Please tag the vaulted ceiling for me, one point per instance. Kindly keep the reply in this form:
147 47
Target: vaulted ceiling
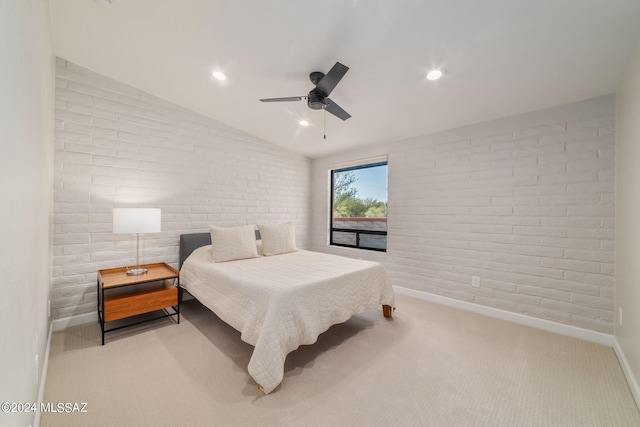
501 57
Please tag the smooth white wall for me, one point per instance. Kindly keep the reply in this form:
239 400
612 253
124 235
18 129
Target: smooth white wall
117 146
524 202
26 163
627 296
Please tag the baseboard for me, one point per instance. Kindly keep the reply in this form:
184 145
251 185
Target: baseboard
547 325
628 373
43 377
67 322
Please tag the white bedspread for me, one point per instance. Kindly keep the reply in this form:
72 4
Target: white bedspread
281 302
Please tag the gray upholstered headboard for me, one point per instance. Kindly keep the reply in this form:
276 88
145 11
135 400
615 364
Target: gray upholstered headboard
191 242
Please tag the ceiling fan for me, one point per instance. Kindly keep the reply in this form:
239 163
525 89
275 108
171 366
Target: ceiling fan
318 98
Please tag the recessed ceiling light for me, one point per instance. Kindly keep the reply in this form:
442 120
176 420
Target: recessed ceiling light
105 3
303 123
435 74
219 75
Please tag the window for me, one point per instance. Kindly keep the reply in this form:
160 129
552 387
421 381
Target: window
359 206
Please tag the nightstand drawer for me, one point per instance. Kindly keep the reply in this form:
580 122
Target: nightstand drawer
138 299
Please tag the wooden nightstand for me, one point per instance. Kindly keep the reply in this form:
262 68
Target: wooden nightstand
121 295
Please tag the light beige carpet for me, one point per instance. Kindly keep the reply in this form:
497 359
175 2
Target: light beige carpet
429 366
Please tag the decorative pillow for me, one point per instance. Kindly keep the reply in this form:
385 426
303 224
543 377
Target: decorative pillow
231 243
278 238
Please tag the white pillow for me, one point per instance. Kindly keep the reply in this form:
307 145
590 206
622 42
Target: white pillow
232 243
278 238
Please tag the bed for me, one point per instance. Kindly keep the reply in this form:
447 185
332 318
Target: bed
280 302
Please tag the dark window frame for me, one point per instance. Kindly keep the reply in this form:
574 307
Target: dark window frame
333 229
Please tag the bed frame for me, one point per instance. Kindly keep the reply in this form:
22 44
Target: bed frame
192 241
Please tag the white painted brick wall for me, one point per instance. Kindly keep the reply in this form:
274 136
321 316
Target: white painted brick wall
526 203
116 146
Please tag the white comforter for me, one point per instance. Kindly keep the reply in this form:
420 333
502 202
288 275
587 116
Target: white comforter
281 302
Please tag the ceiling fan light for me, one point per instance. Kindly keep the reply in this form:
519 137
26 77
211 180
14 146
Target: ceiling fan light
435 74
316 105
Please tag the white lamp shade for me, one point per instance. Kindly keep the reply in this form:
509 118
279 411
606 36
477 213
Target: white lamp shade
136 220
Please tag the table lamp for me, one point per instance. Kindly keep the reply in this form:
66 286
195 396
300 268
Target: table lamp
136 221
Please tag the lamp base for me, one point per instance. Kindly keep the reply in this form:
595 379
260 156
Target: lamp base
136 271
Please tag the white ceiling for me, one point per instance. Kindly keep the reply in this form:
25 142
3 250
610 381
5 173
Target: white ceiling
502 57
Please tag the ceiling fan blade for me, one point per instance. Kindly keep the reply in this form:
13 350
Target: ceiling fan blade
336 110
332 78
290 98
